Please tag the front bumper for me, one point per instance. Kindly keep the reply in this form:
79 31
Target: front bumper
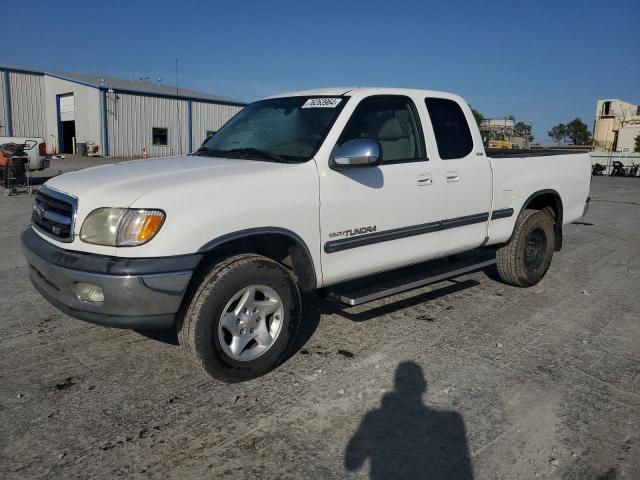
144 293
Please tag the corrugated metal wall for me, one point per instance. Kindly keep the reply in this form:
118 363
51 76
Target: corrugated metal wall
3 127
130 119
27 104
209 116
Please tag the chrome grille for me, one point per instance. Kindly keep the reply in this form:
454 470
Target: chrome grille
54 214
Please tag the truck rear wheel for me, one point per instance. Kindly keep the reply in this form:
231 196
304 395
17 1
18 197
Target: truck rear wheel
526 258
242 318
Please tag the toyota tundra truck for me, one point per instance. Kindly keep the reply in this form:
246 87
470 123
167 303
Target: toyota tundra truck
312 190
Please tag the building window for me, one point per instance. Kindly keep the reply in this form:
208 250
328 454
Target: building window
210 133
160 136
606 106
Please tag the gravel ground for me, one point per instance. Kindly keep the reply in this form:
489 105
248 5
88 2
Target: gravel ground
463 379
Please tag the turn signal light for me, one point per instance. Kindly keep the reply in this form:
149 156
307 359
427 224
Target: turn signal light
150 226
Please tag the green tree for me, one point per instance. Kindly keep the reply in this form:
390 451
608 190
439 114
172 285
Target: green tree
477 115
558 133
637 146
578 132
523 130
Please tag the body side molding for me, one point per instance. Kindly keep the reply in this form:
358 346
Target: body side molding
502 213
398 233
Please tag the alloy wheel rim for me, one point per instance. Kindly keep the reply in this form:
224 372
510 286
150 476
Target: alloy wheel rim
250 323
535 250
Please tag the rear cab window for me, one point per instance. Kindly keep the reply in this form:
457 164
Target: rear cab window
450 127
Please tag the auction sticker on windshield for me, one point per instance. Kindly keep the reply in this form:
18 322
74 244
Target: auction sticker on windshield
322 102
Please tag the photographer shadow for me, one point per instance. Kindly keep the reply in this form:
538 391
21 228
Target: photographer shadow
406 439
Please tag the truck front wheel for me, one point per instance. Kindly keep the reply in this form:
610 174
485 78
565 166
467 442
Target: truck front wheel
242 318
526 258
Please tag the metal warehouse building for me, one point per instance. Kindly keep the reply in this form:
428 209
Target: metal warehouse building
121 117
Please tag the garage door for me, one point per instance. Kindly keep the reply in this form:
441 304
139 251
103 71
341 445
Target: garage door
67 108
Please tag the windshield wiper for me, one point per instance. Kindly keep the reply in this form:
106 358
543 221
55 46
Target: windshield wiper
208 152
264 154
249 153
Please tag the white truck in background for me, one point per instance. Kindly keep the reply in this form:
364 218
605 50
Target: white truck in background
35 148
314 190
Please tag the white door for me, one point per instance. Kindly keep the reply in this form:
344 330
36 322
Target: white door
67 108
378 218
465 176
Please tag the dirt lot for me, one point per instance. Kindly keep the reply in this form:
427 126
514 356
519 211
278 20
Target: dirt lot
463 379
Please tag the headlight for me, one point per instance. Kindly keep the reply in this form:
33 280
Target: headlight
121 227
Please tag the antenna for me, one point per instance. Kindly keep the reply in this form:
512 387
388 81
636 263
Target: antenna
178 110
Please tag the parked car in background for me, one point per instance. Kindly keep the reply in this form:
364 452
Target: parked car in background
35 148
299 192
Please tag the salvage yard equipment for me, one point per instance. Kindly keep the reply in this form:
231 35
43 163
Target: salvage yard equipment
34 147
93 150
14 168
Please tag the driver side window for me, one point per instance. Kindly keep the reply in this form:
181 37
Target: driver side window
393 122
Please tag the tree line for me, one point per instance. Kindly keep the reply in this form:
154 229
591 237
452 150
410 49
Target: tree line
576 131
520 129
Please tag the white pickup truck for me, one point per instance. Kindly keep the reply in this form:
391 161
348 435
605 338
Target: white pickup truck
303 191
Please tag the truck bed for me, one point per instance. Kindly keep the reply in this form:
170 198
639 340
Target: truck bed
565 174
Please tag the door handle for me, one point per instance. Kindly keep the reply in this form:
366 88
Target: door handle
425 179
452 177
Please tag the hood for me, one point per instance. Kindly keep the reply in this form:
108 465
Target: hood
120 184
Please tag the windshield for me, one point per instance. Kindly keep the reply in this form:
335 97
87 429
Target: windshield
289 129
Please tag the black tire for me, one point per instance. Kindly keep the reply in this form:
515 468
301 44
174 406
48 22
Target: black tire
526 258
198 325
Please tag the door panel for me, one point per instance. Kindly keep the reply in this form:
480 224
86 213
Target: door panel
467 193
466 177
383 212
378 218
67 107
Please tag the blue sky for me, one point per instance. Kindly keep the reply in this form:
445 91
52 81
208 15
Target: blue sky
545 61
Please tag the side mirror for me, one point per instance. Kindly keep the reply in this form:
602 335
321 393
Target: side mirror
361 152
